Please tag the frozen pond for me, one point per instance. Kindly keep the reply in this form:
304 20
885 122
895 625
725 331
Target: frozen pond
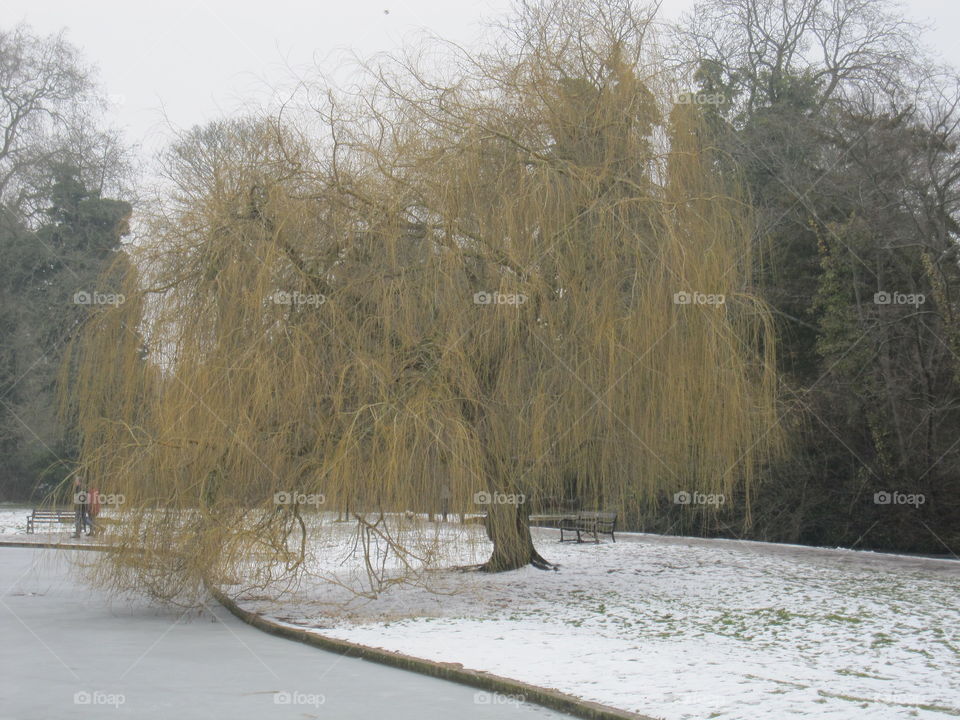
67 652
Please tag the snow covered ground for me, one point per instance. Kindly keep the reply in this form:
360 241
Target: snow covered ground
674 628
13 519
681 628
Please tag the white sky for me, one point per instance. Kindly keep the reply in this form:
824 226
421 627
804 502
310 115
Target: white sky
187 62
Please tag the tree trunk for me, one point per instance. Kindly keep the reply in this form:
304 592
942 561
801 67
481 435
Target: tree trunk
508 527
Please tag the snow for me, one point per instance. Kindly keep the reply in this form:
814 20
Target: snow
682 628
13 519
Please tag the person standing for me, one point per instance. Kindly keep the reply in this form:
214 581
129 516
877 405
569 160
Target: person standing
79 508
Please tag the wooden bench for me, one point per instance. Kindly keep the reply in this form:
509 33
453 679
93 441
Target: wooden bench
590 524
49 516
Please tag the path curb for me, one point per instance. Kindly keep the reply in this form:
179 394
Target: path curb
52 545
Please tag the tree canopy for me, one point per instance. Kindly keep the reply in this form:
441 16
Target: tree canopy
530 273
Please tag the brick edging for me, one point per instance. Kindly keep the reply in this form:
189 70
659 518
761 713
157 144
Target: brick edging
454 672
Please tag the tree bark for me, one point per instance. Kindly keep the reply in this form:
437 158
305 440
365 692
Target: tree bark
508 527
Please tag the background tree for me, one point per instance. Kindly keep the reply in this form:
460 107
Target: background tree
57 234
845 131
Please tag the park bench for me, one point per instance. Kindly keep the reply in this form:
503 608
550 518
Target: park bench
589 523
48 516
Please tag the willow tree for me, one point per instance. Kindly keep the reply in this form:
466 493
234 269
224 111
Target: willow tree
471 282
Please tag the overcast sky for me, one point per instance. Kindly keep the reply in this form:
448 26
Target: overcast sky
187 62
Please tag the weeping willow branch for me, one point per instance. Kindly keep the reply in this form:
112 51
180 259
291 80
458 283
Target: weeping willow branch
417 318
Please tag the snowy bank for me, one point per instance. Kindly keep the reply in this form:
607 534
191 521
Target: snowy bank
682 628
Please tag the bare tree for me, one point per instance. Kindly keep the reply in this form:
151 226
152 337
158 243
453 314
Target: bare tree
761 47
50 116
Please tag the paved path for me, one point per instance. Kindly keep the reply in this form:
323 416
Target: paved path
67 652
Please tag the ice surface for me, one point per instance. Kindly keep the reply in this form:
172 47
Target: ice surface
67 652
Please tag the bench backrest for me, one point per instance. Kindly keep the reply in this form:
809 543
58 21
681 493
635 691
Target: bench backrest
597 515
606 522
602 521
